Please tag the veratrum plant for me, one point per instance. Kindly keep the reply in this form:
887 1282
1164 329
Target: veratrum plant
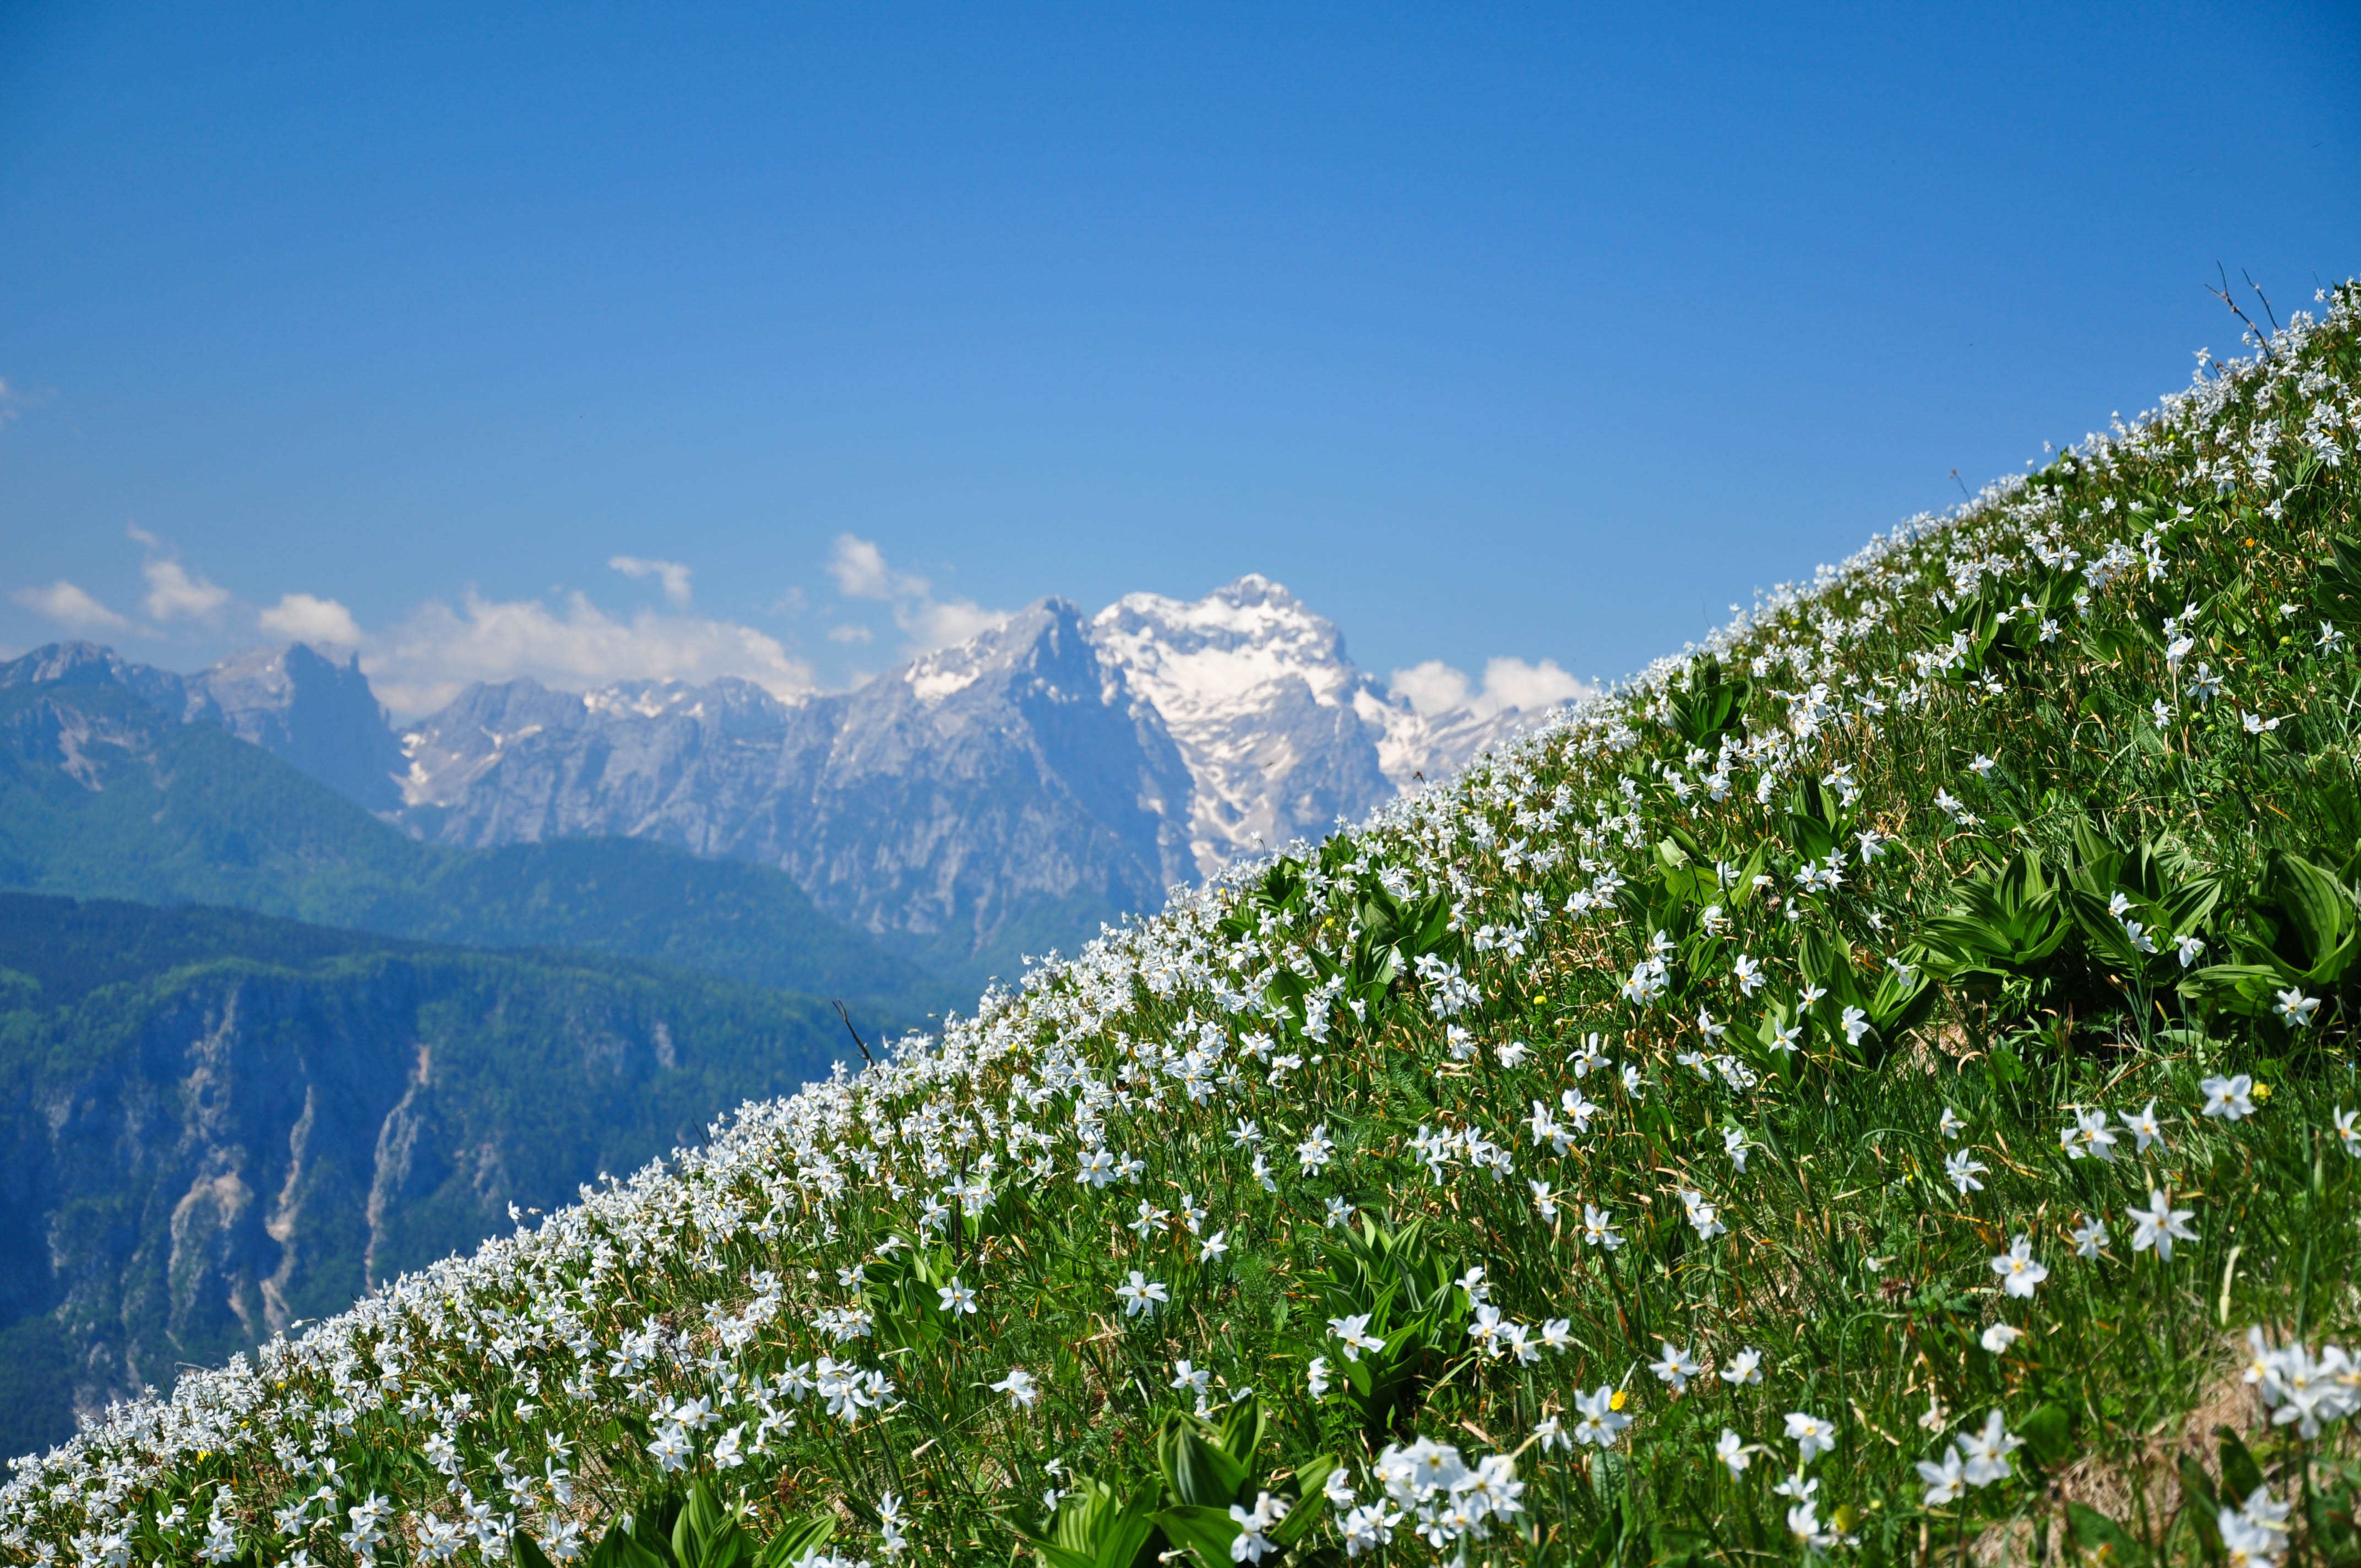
2301 933
1405 1289
1215 1487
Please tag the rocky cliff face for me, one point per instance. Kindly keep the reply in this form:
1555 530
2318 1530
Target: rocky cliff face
295 702
310 710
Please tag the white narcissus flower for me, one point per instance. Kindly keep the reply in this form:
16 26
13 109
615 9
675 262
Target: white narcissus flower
1812 1435
2018 1271
2160 1224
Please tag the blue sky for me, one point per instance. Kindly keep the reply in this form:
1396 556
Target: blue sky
1533 332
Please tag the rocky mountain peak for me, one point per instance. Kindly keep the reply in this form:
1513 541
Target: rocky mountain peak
312 709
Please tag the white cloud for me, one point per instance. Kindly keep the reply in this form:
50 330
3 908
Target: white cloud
860 573
675 576
1430 687
175 593
14 401
301 618
1513 684
426 661
1509 685
71 608
848 634
928 623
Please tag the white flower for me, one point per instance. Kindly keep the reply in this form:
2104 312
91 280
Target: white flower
1987 1452
2088 1136
2017 1270
1020 1387
1951 1126
1960 1168
1732 1450
1355 1331
1600 1419
2090 1236
2347 1134
1744 1367
2144 1126
1368 1528
1597 1229
2159 1226
2246 1544
2189 947
1812 1435
1944 1481
1189 1375
1315 1151
2000 1336
957 1298
2295 1008
1316 1378
1140 1295
1982 766
2229 1098
1675 1368
1856 1024
1215 1245
1251 1543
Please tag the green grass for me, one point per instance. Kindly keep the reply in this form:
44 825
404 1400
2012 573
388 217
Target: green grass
1982 963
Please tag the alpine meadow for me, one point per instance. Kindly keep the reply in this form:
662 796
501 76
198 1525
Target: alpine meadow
1879 1087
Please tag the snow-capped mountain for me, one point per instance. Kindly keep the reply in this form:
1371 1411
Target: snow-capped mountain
995 797
1282 734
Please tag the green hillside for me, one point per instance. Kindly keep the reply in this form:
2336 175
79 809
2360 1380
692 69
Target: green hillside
1880 1086
104 796
214 1122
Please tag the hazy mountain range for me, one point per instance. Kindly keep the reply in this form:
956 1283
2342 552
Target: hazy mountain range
998 796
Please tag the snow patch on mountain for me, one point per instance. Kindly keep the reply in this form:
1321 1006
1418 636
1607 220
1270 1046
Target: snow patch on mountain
1282 733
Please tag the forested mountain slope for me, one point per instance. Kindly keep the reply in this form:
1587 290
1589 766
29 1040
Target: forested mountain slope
104 795
214 1122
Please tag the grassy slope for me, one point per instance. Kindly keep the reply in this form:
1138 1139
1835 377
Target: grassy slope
1978 963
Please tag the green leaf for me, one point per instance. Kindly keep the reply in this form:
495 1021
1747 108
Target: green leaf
527 1551
2198 1505
2095 1533
1241 1431
1205 1531
796 1537
2241 1476
1197 1472
1310 1503
2049 1433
